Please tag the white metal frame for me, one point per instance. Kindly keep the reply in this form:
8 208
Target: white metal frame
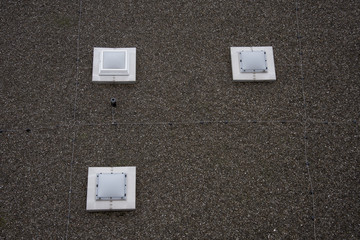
111 205
127 75
239 76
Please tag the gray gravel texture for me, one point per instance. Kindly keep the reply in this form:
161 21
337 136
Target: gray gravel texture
215 159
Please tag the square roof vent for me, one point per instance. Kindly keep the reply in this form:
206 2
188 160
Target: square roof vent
111 188
252 64
114 65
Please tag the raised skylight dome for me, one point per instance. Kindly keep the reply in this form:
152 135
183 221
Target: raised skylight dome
114 65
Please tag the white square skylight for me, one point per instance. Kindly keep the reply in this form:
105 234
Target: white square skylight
110 186
114 65
111 189
252 64
253 61
114 59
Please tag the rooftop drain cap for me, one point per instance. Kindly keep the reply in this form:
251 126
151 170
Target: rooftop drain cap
113 102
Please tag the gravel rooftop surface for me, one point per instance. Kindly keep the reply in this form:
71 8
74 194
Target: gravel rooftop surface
215 159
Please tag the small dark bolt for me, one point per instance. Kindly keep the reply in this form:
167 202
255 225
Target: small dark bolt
170 124
312 218
326 122
311 192
113 102
28 130
307 163
1 131
226 122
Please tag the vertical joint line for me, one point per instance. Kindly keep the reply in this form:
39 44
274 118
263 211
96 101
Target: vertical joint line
305 117
74 120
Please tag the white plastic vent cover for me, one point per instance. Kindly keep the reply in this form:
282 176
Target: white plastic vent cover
252 64
114 65
111 188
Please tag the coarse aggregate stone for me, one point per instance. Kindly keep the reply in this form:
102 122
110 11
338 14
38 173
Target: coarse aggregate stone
198 181
35 172
331 60
215 159
38 56
333 155
187 75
